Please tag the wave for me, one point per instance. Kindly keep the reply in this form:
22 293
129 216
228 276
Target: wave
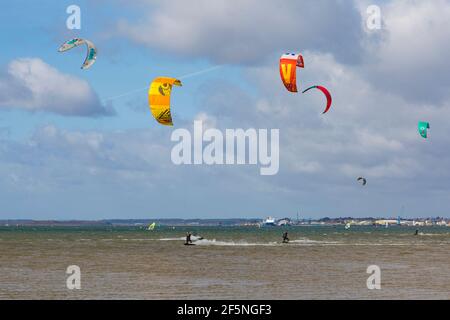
306 241
433 234
292 243
242 243
193 238
214 242
171 239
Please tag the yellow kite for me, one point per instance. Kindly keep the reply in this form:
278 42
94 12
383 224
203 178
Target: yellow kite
159 99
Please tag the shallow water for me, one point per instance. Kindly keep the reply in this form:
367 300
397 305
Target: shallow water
230 263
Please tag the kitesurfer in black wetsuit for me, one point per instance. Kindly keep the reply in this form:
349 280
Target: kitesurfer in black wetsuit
188 238
285 237
417 232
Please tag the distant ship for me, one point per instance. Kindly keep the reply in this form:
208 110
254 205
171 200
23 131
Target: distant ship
268 222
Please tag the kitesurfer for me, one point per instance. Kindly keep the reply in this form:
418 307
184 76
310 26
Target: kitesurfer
188 238
417 232
285 237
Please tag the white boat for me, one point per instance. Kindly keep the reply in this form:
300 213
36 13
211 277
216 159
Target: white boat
284 222
268 222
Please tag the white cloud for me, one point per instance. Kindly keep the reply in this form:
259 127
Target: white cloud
408 56
246 32
33 85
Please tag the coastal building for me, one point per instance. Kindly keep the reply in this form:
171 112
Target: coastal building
442 223
385 222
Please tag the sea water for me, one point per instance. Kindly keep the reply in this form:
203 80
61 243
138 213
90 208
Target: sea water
323 262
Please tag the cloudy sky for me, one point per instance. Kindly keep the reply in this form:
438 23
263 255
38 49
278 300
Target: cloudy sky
72 147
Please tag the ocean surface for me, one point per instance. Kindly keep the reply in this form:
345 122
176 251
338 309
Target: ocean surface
229 263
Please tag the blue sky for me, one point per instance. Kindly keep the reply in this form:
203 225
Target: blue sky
66 153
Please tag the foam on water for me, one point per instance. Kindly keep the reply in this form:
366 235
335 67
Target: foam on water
312 242
193 238
214 242
433 234
242 243
171 239
298 242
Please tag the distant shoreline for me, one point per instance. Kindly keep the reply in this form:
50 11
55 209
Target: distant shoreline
438 221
